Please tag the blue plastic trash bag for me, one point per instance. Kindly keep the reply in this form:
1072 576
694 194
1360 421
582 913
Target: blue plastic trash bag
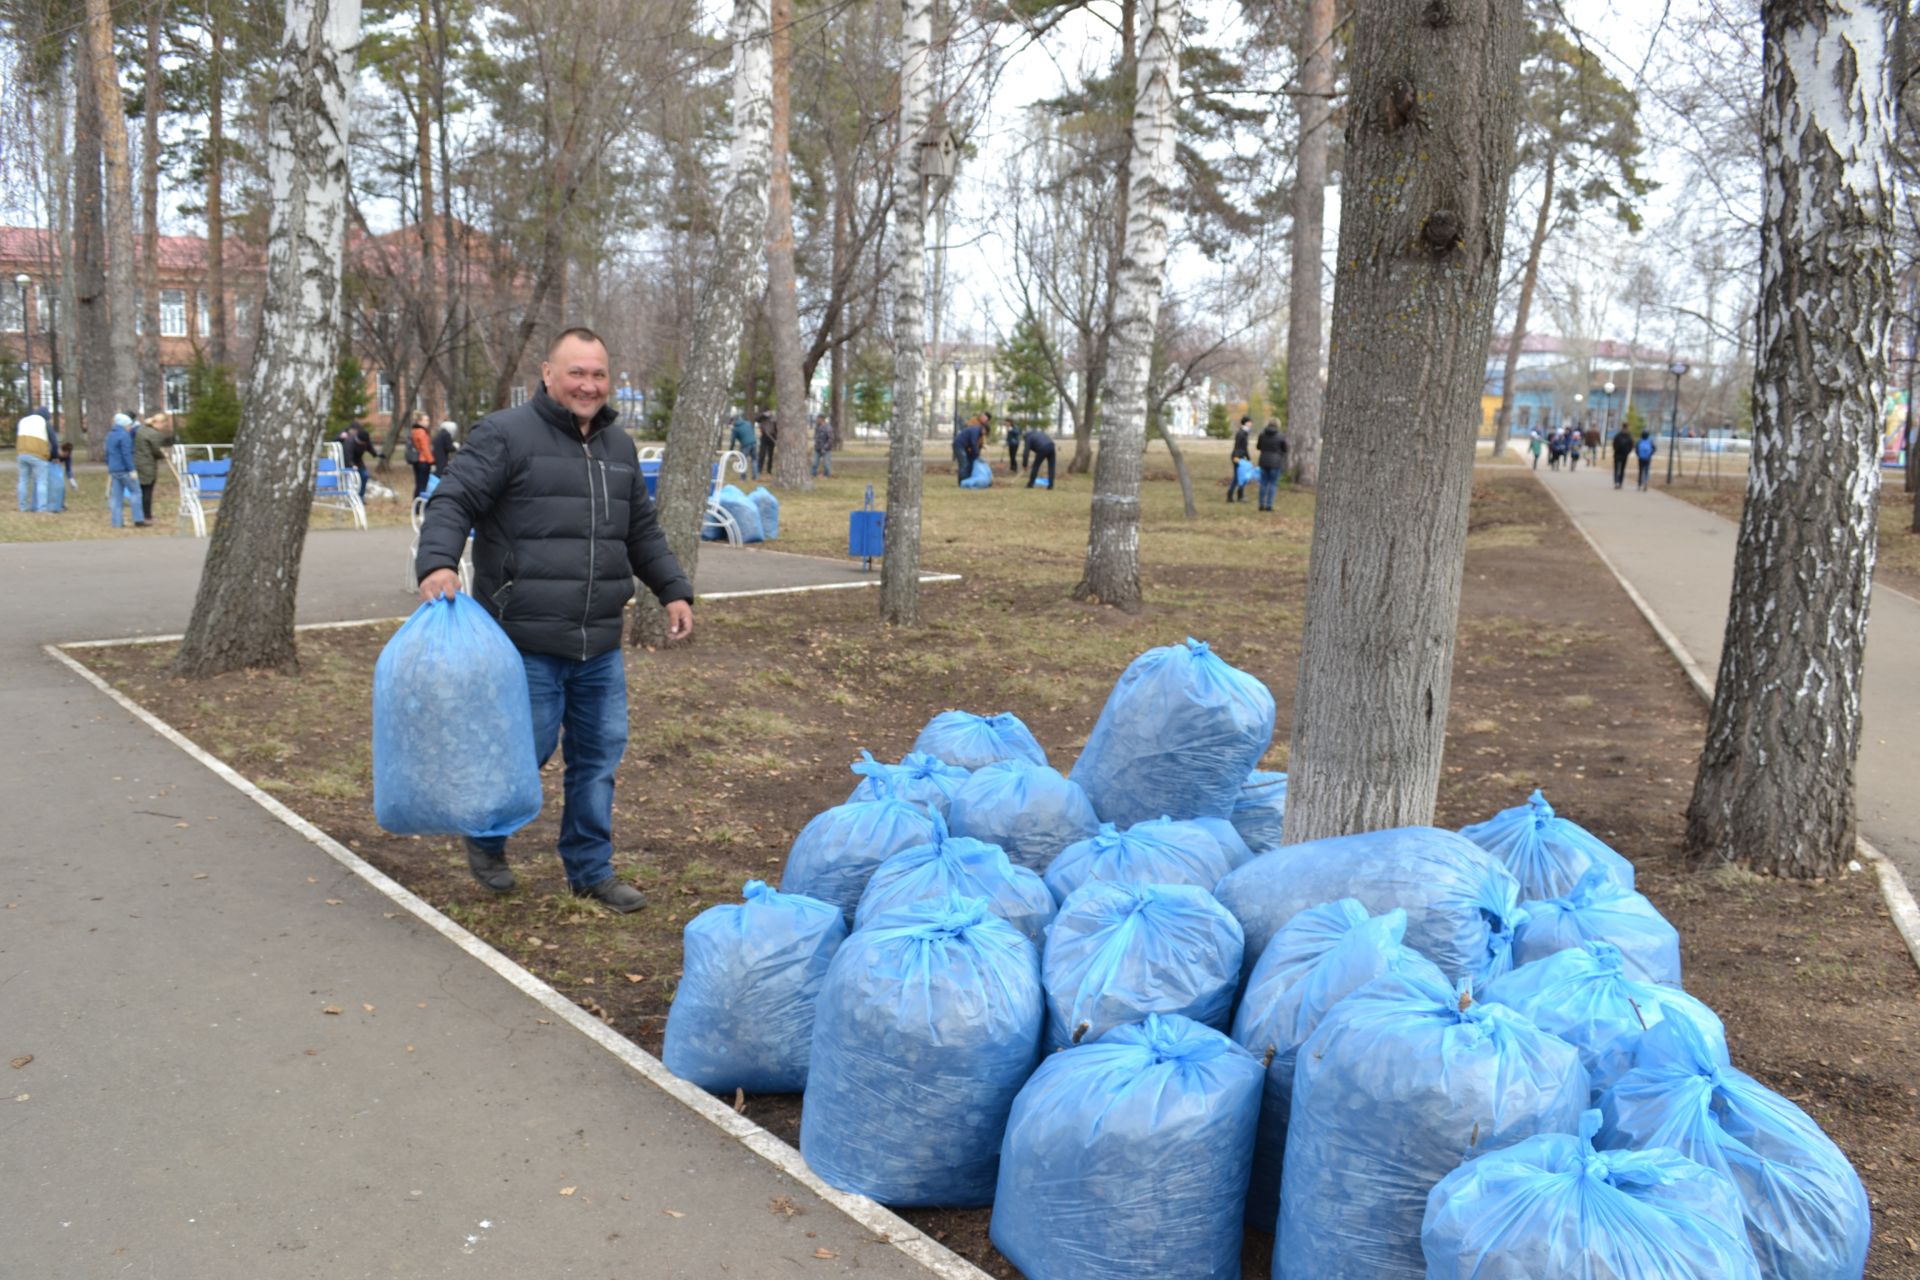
1583 996
1118 952
837 851
453 726
1461 904
1403 1082
768 507
1244 472
1550 1207
1261 810
1127 1158
956 866
1806 1212
981 477
1317 958
927 1026
742 1017
1041 482
1163 851
746 516
919 779
1179 735
1547 854
1231 842
969 741
1599 910
1027 809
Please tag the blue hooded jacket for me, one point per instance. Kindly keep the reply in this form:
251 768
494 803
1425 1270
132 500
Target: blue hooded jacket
119 450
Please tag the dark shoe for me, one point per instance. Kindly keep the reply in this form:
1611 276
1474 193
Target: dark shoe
615 893
141 524
490 869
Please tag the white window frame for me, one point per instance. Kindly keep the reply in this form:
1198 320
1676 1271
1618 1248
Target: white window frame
173 314
518 396
203 313
173 381
13 317
383 399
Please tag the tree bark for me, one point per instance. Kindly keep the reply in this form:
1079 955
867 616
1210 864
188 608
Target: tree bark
1112 572
243 613
794 450
1529 278
121 290
1093 376
1430 137
216 184
1775 787
906 471
1306 392
739 263
92 345
152 387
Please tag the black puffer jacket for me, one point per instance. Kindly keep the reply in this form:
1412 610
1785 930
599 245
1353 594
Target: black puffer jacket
562 526
1272 447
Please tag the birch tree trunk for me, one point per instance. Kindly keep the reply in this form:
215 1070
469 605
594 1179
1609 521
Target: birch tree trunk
1429 152
243 612
124 387
739 266
152 387
906 472
1306 392
794 450
1112 573
1775 787
1529 278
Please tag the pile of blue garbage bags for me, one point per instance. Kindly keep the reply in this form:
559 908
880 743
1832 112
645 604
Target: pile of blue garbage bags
1110 1003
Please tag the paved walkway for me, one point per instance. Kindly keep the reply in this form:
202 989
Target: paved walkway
168 952
1679 557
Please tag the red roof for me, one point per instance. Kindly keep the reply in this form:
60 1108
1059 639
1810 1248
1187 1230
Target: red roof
1597 348
183 255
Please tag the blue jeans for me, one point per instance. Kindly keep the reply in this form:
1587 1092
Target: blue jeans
822 461
589 701
53 488
33 482
122 487
362 469
1269 485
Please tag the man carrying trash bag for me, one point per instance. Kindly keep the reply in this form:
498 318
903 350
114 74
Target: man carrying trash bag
562 526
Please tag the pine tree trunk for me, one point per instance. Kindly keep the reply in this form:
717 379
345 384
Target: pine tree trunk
216 185
1431 120
739 265
243 612
1529 278
1112 572
1306 392
794 449
121 290
152 386
92 344
906 472
1099 362
1775 787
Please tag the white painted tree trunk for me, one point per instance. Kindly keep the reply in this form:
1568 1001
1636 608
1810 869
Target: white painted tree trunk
243 613
1306 388
739 273
1112 573
793 455
1775 787
1429 152
900 564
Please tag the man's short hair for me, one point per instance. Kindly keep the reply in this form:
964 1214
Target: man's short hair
579 331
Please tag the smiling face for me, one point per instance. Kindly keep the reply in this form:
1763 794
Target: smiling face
575 374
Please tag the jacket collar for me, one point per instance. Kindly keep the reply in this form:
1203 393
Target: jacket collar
558 416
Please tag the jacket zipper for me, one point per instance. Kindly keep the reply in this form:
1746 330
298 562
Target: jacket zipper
593 540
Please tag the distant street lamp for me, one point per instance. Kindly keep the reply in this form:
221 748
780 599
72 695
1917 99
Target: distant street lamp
1679 370
20 282
1608 388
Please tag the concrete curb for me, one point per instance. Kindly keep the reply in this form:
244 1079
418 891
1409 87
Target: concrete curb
886 1226
1893 886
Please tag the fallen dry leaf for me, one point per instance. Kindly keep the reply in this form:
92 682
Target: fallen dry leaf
636 977
366 1006
332 1009
183 824
567 1191
313 879
534 942
825 1253
545 1022
199 875
333 902
409 1048
21 1061
421 1005
313 1053
784 1206
740 1102
673 1213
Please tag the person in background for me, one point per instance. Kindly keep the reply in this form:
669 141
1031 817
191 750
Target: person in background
443 446
33 448
1593 445
1573 448
745 444
122 484
1039 449
1644 451
1242 452
420 454
150 445
355 444
966 446
59 475
1273 462
1534 444
769 439
822 446
1622 450
1014 436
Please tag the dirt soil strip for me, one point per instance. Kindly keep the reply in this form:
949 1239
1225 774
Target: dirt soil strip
1893 886
885 1225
